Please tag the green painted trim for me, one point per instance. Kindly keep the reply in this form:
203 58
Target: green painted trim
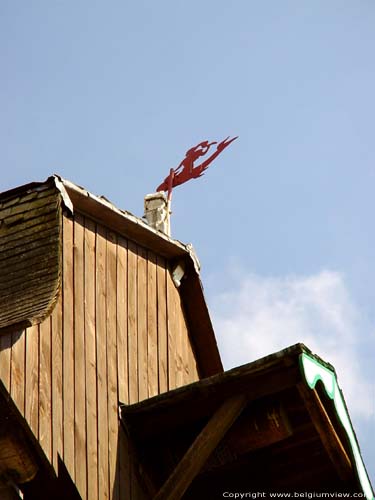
313 371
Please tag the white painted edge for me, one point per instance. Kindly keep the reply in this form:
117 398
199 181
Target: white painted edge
314 371
64 195
63 185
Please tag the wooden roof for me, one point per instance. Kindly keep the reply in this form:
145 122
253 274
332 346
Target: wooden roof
21 457
30 233
259 427
30 262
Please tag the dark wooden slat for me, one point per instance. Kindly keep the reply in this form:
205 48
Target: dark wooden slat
30 245
29 255
162 325
30 283
29 292
30 227
35 205
326 431
46 261
200 326
20 218
8 199
35 233
171 410
202 447
34 310
171 328
152 333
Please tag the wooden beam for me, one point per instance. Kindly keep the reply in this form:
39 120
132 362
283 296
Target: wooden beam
326 431
198 453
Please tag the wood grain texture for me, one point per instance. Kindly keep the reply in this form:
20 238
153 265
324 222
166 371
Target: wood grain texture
162 324
5 359
45 388
79 358
326 431
18 370
142 323
32 378
90 361
122 323
57 383
111 337
29 259
152 327
68 346
101 359
113 423
172 320
132 323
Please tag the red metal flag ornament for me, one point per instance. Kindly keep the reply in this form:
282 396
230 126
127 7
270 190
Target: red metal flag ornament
186 169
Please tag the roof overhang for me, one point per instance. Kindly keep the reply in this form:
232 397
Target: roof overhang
71 198
277 424
21 456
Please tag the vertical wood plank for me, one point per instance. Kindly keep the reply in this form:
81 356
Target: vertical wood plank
122 320
132 341
5 358
45 388
79 358
113 420
192 364
57 384
132 323
90 341
68 346
171 322
152 332
179 341
142 323
101 357
18 370
32 378
162 325
185 351
123 467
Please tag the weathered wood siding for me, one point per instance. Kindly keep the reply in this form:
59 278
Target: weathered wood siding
117 333
30 236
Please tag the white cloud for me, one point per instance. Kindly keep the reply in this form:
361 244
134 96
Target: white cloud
261 315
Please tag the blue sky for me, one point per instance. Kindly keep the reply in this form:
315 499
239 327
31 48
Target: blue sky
111 94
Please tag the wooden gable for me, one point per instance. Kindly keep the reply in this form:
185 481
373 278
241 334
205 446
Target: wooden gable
112 326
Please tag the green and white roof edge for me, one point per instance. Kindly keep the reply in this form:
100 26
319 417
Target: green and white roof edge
313 371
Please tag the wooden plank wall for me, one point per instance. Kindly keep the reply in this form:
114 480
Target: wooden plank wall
117 333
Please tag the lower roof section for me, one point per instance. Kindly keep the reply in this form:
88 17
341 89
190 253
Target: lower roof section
277 424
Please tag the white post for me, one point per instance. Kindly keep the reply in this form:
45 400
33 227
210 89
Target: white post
157 212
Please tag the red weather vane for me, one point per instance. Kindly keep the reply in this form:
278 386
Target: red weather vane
186 170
